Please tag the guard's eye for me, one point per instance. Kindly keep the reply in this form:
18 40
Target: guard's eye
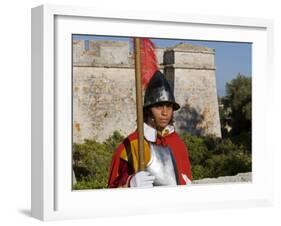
168 105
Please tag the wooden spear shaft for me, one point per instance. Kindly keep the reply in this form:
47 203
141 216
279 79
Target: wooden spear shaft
139 104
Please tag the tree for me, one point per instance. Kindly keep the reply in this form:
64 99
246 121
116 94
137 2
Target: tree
239 100
237 109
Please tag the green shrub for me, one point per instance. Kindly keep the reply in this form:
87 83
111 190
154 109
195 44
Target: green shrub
214 157
91 161
209 156
113 141
198 150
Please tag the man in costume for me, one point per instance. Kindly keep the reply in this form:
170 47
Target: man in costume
165 154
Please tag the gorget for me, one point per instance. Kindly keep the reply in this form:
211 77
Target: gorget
161 165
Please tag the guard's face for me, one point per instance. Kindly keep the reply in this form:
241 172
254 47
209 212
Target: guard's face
162 114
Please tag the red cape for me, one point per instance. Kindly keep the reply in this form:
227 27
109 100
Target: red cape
179 151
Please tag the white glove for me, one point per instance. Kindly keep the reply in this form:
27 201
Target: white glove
142 179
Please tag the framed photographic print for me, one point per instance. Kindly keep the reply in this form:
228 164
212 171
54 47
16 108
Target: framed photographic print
84 105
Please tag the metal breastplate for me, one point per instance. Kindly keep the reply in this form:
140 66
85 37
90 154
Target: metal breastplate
161 165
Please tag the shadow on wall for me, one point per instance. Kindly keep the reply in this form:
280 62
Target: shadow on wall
189 120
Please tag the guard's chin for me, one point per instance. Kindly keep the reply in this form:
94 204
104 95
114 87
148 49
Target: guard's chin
162 126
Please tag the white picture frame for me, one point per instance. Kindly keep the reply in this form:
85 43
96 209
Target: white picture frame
52 195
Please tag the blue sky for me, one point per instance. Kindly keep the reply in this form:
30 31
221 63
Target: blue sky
231 57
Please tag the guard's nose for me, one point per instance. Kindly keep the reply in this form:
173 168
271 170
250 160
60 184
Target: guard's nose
164 110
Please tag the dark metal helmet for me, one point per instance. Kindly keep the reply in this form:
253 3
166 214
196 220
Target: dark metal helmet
159 91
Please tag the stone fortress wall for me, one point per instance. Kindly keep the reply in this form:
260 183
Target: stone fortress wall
104 88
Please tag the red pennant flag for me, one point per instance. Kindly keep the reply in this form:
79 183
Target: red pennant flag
148 61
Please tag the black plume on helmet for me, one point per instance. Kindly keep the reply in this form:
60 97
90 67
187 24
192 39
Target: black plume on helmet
159 91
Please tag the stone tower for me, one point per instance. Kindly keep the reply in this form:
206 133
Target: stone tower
104 89
191 72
